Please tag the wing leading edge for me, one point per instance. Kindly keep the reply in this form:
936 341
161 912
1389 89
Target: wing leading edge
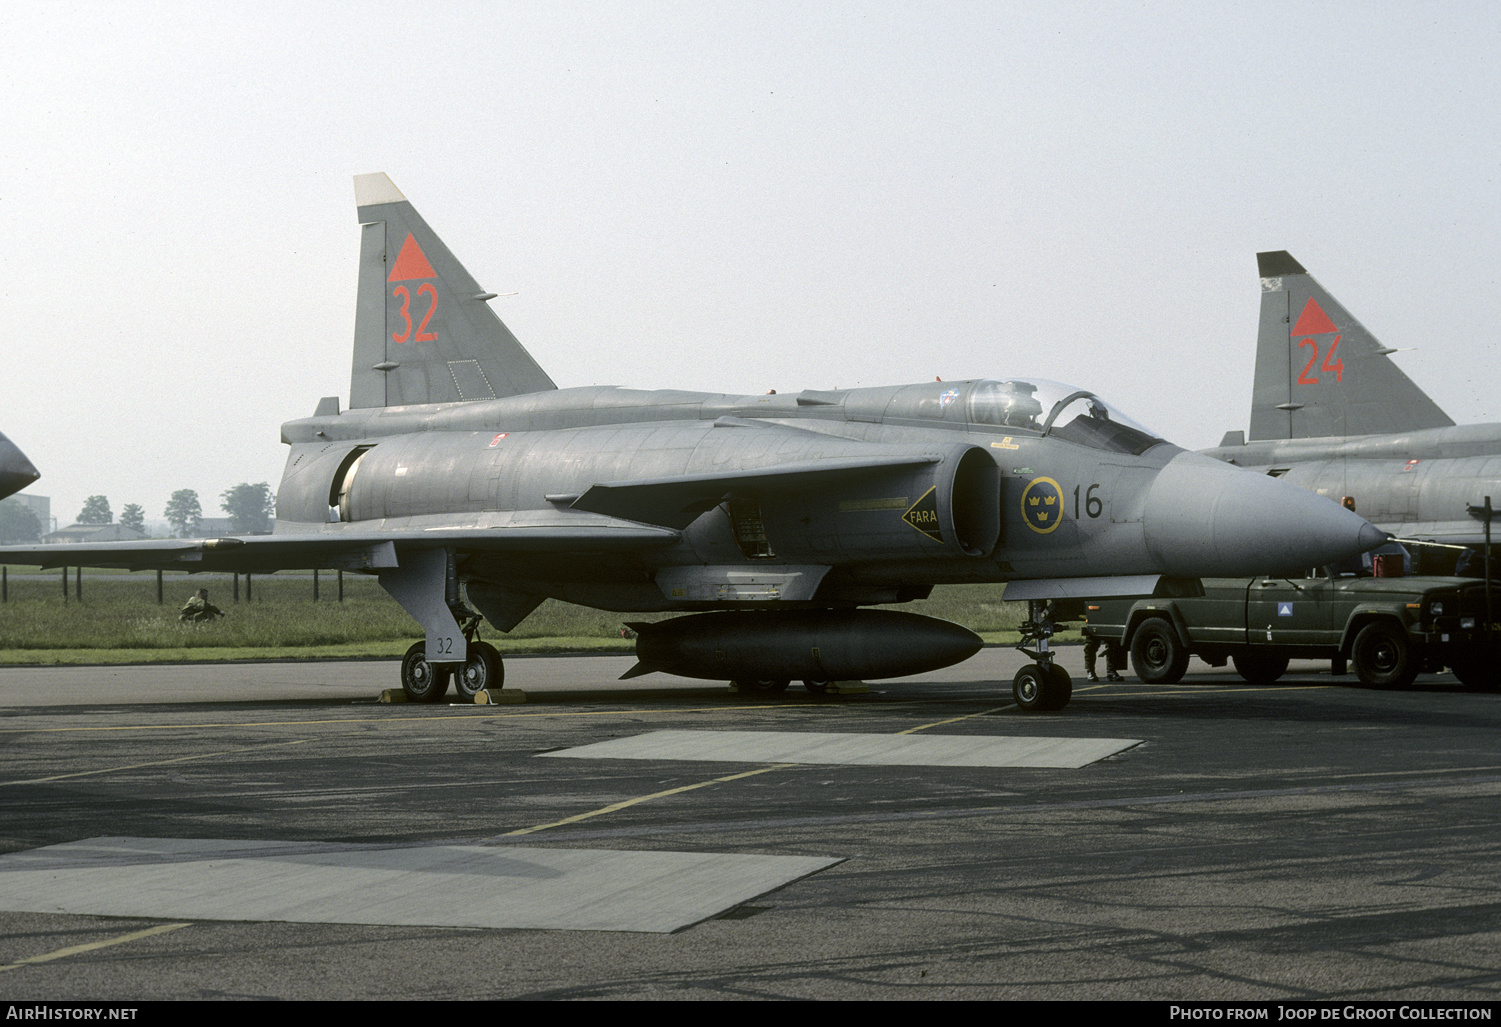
610 517
371 550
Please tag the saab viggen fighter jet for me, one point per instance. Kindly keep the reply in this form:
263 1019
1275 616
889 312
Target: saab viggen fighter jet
1332 413
466 481
16 472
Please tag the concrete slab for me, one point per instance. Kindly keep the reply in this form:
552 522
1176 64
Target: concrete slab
426 885
846 748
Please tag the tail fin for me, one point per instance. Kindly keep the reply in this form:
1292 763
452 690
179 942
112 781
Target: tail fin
422 331
1319 372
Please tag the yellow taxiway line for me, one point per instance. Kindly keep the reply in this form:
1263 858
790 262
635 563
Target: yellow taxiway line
154 763
647 798
719 780
74 950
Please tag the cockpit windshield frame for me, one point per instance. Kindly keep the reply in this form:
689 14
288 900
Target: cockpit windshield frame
1018 404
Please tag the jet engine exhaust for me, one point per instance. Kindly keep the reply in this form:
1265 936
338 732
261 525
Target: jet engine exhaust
833 645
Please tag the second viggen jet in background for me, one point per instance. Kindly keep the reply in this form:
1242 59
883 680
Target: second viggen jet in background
467 481
1331 412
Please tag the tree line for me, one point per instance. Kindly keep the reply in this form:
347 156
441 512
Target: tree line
251 510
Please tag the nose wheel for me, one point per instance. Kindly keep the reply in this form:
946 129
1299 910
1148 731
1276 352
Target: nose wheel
1039 689
1043 686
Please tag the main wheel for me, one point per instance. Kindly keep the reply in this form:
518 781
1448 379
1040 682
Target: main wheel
482 670
817 687
771 687
1156 654
1383 657
1260 668
420 680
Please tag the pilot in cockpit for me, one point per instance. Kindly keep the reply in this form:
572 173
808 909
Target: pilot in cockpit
1021 409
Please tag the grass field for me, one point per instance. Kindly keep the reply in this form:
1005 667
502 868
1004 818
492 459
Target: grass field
118 620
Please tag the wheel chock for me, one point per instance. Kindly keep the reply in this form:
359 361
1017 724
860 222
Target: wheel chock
499 697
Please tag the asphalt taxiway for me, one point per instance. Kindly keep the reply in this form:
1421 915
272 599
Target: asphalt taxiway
269 830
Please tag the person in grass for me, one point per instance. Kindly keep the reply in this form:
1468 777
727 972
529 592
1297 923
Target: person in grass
198 609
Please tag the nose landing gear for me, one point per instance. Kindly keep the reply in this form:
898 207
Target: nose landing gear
1043 686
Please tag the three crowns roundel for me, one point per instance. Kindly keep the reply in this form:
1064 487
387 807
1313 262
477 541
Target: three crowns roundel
1042 505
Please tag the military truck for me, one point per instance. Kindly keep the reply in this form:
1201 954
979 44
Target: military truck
1387 628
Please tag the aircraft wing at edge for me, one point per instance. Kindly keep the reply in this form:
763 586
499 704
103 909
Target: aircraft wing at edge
354 551
625 515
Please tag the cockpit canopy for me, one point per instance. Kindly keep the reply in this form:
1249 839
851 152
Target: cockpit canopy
1039 407
1017 406
1042 407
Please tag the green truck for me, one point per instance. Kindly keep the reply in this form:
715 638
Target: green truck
1388 629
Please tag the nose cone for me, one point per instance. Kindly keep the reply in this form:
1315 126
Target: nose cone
16 472
1205 518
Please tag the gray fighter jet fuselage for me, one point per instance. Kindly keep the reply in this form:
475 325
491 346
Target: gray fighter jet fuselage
858 497
467 481
1333 414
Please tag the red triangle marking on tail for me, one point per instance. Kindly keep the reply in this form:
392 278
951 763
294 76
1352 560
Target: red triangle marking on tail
1313 320
412 263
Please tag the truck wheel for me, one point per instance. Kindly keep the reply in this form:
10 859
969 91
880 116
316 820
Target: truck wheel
1260 668
1156 654
1477 674
1383 657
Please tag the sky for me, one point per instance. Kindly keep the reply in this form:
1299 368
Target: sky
728 197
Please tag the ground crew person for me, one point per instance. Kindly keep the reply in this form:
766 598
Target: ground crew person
198 609
1115 657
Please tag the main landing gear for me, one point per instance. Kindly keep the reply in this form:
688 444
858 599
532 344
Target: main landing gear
426 584
425 681
1042 686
